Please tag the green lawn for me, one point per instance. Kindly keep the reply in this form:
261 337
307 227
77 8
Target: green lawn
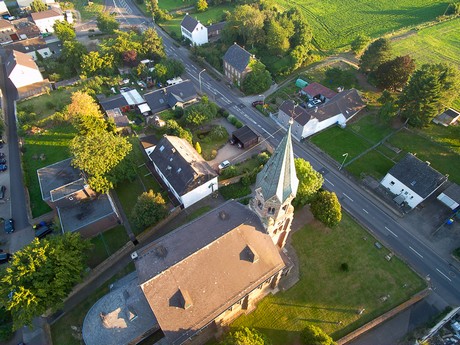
105 244
195 214
207 146
370 128
47 104
336 23
325 294
88 12
61 331
372 163
53 143
169 5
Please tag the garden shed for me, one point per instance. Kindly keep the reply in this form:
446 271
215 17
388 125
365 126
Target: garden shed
300 83
245 137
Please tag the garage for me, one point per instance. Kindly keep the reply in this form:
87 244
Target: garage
244 137
451 196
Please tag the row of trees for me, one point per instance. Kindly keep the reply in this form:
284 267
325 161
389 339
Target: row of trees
424 93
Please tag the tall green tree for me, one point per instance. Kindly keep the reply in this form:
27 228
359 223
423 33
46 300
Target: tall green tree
152 45
278 44
245 336
168 68
359 43
389 108
248 22
394 74
431 89
258 80
310 181
95 64
107 23
41 275
313 335
149 209
84 113
72 53
376 53
64 31
326 208
38 6
201 5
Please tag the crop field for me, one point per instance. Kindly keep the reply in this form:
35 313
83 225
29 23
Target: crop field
336 23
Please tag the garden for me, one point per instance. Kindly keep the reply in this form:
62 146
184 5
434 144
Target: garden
329 270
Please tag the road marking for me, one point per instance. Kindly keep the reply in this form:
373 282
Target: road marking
346 196
391 232
329 182
444 275
416 252
365 211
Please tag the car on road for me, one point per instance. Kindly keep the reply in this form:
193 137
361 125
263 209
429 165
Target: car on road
2 192
224 164
2 155
2 161
3 167
256 103
313 103
8 226
5 257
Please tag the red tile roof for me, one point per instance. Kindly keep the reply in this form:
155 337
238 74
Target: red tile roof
314 89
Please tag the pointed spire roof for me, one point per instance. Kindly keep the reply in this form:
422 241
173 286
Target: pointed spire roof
278 177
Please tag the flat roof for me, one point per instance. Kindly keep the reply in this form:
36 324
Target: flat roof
55 176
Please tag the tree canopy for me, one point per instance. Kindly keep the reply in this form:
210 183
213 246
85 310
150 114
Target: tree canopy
359 43
310 181
431 89
94 63
258 80
64 30
151 45
149 209
84 113
201 5
376 53
326 208
313 335
107 23
41 275
394 74
245 336
72 53
38 6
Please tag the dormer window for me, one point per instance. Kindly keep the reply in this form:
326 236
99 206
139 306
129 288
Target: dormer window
271 210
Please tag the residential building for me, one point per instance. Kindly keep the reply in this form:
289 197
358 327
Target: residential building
170 97
318 91
411 181
22 70
338 110
192 29
25 29
451 196
45 20
3 8
447 118
78 207
237 63
123 102
35 46
7 31
25 4
215 31
188 176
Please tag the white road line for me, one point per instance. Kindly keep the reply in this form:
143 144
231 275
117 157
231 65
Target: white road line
325 179
444 275
346 196
416 252
365 211
391 232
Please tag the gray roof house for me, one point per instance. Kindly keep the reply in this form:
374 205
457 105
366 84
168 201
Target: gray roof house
178 95
237 63
447 118
79 208
412 181
192 29
188 176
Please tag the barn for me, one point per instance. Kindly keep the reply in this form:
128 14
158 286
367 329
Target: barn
245 137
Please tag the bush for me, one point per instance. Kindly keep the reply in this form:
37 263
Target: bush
234 191
218 132
326 208
344 267
229 172
313 335
263 158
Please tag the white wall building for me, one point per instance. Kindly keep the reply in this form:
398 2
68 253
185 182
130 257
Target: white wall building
192 29
45 20
22 70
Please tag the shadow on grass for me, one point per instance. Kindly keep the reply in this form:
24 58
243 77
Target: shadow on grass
353 311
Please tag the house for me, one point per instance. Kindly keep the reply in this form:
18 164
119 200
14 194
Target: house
121 121
7 31
79 208
339 110
178 95
3 8
125 101
45 20
148 143
215 31
25 29
22 70
318 91
192 29
447 118
237 63
412 181
200 277
451 196
33 47
245 137
188 176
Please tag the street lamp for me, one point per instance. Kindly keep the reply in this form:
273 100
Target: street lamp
346 156
199 77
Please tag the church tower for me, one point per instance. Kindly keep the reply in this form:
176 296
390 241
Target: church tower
276 186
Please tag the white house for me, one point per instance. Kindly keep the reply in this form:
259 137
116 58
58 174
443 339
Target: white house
22 70
3 8
187 175
338 110
192 29
411 181
46 19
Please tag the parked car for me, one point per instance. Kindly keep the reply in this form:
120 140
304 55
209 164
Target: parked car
313 103
5 257
8 226
43 232
2 155
2 192
3 167
2 161
256 103
224 164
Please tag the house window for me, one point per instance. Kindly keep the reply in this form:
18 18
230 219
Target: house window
392 183
260 286
271 210
162 148
259 204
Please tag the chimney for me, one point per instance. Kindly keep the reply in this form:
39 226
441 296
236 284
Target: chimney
316 109
428 163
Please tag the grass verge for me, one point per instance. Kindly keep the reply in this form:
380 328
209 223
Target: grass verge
105 244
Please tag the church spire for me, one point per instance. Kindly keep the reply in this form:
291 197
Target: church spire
276 186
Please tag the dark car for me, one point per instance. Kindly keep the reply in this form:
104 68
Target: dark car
2 192
256 103
3 167
8 226
5 257
43 232
2 155
2 161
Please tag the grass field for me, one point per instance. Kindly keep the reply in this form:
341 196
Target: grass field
47 104
318 297
336 23
169 5
105 244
